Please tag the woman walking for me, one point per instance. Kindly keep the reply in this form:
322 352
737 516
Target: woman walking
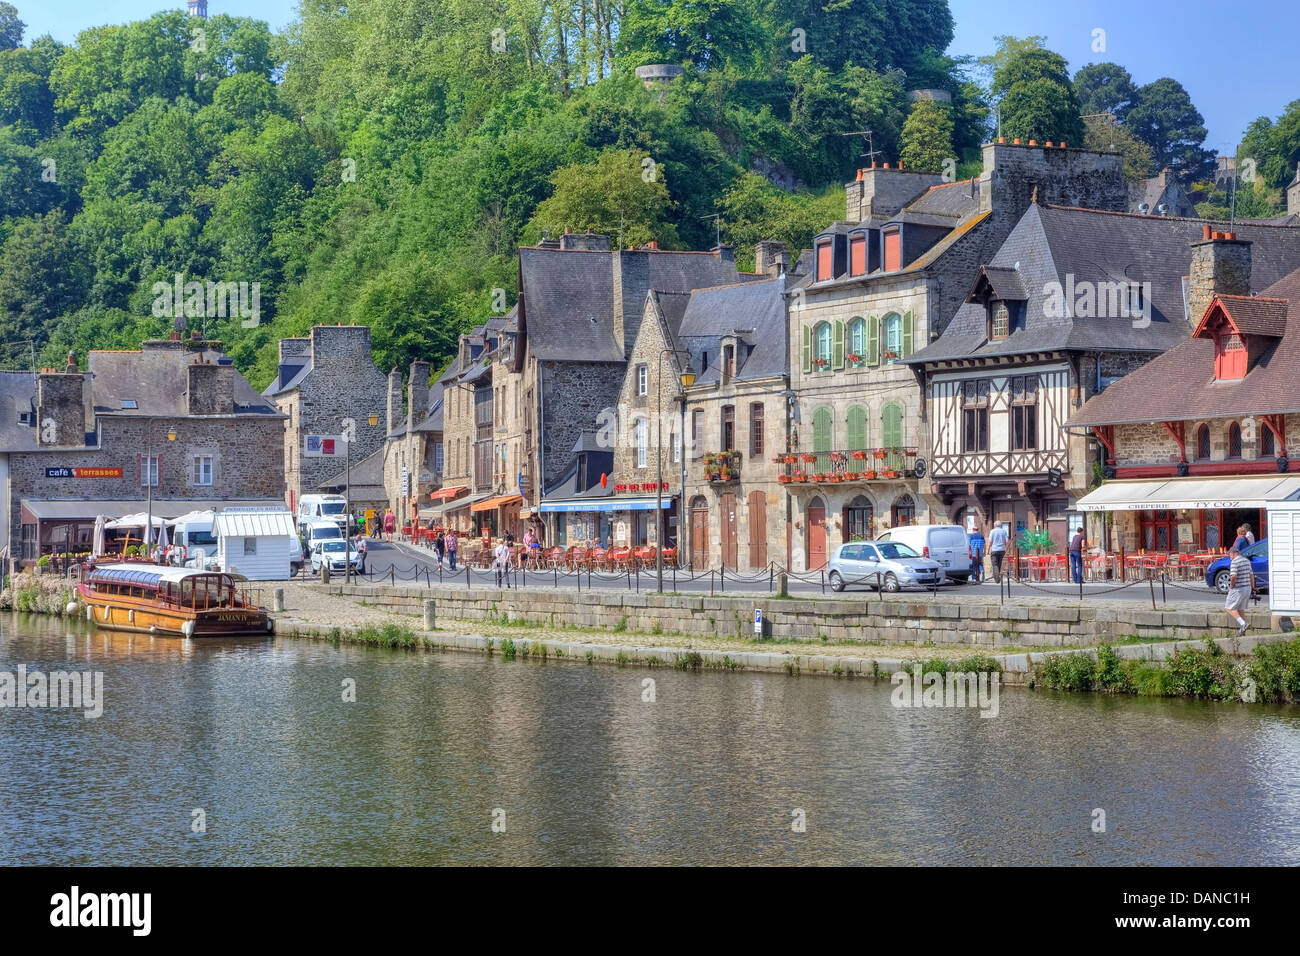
390 524
451 544
440 547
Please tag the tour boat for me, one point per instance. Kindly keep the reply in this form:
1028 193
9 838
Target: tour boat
180 602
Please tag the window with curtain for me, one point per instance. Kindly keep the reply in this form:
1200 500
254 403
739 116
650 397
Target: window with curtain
855 438
892 346
822 346
642 437
857 341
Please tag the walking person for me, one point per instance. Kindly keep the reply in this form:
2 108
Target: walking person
451 543
976 539
1076 556
502 563
998 538
1241 584
440 547
390 524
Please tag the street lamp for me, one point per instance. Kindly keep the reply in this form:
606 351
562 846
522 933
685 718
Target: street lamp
687 379
152 470
372 420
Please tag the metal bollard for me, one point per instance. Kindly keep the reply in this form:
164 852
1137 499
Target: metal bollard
429 616
277 599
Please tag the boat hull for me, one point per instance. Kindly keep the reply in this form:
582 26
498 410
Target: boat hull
144 617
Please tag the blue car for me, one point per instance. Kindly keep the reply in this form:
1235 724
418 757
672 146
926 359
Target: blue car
1217 574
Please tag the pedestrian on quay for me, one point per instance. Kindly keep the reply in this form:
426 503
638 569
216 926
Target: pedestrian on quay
1245 537
451 543
976 539
502 563
1076 556
390 524
1241 585
440 547
998 538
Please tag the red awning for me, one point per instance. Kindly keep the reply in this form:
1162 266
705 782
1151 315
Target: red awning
499 502
446 494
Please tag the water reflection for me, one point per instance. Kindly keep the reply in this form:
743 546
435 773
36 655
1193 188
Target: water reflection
258 734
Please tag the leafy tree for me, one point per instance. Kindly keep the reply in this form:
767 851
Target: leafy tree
1037 100
26 103
709 33
1228 200
927 137
1274 147
40 277
1104 88
878 34
622 193
11 28
1163 117
1103 134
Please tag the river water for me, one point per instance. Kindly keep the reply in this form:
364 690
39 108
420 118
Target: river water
456 758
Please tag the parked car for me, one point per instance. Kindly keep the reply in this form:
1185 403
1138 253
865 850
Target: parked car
1218 573
323 508
881 564
318 531
944 543
333 552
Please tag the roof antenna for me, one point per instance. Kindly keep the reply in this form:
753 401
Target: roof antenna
870 152
717 228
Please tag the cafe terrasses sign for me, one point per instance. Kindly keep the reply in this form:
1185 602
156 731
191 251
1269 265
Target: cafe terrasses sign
643 486
83 472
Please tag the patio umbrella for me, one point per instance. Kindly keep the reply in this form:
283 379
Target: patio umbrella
98 546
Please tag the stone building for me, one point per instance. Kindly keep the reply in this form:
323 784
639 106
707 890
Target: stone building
174 422
1293 194
1074 300
326 384
411 460
1195 442
884 285
1161 195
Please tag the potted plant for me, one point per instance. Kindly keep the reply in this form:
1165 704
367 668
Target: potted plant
799 476
854 358
838 456
909 452
879 454
891 473
851 476
888 354
785 479
834 478
870 474
819 477
808 457
820 363
858 455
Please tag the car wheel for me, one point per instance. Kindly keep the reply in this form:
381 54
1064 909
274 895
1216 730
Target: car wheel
837 582
1221 581
891 582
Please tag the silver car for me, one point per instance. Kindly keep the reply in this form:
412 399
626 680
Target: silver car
881 564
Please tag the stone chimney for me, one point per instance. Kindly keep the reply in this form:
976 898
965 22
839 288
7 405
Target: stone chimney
725 254
417 390
1293 194
1220 266
60 406
394 400
771 258
209 389
294 349
590 241
880 192
631 283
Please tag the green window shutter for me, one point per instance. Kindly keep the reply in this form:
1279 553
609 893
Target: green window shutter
873 340
807 349
822 429
892 426
856 440
906 350
837 344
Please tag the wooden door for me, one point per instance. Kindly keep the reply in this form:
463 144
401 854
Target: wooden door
757 530
699 537
727 527
816 535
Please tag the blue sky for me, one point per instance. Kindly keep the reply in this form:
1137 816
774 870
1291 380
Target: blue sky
1237 63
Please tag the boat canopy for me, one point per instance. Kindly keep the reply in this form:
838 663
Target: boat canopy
151 576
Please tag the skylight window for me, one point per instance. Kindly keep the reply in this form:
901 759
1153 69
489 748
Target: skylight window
129 403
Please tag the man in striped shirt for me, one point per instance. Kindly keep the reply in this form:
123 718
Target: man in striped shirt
1241 583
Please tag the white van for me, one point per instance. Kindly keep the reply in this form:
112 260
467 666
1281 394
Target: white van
945 543
323 508
318 531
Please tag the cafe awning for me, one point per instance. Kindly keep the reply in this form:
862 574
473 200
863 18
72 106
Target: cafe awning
501 501
605 504
1195 494
83 509
446 494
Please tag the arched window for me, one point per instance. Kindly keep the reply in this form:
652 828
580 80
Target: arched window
1203 443
822 346
1267 448
855 437
904 511
1234 440
858 520
822 432
857 352
891 346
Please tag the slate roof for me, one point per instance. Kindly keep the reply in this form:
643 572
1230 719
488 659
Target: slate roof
17 394
568 296
1052 243
715 312
367 471
156 381
947 200
1268 388
1257 315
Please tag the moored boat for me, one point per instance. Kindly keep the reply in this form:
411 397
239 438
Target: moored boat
183 602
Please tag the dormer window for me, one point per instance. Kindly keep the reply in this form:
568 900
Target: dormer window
858 255
999 318
825 260
892 239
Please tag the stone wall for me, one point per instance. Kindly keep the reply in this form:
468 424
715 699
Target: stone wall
574 394
892 622
1219 266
